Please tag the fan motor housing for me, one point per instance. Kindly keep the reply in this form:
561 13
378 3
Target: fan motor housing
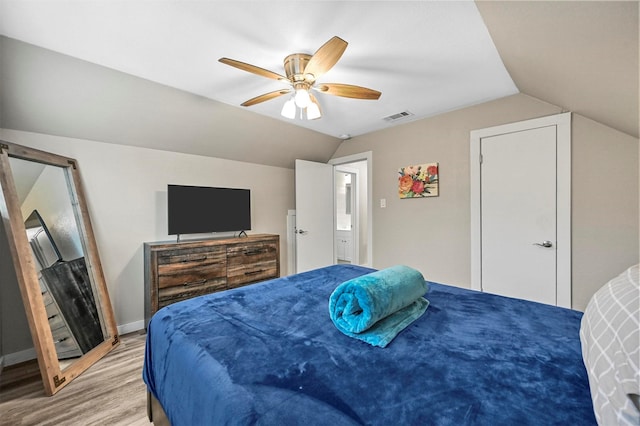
294 66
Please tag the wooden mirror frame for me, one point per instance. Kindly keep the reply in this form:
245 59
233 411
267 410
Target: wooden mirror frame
53 377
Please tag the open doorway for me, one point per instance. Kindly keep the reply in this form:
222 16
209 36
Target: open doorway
346 205
311 227
353 231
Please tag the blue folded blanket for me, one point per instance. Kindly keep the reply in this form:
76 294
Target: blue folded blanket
376 307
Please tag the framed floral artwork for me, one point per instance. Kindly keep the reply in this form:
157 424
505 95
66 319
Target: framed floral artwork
418 181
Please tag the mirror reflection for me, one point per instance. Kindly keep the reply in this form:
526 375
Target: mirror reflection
343 201
59 258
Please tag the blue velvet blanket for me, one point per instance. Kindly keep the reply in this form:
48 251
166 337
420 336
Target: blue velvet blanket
268 354
376 307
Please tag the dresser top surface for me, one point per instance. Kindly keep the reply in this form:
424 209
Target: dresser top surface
251 238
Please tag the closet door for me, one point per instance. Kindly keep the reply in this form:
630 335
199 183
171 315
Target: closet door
521 210
518 214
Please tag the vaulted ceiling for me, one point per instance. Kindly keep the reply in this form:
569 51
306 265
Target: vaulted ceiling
579 55
425 57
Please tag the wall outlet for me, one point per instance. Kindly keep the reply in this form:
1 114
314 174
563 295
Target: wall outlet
383 203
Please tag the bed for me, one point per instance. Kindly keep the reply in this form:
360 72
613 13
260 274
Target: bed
268 354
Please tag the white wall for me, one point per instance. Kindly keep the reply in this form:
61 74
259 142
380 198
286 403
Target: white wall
126 194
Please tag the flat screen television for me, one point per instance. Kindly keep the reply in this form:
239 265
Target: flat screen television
202 209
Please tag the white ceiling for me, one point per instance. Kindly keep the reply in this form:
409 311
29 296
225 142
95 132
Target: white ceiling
425 57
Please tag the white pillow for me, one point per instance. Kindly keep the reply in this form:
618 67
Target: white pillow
610 337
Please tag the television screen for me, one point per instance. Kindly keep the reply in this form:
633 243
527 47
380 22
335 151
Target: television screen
200 209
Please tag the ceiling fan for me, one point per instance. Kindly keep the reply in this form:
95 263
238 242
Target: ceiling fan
302 72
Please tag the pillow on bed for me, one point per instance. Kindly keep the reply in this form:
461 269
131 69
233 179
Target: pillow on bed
610 337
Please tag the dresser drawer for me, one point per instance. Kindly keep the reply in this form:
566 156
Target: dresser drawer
56 322
193 268
243 254
240 274
67 347
191 258
191 277
169 295
176 271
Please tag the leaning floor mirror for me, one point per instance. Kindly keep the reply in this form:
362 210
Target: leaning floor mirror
56 260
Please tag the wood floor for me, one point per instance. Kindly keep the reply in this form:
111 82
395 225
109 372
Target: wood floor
110 392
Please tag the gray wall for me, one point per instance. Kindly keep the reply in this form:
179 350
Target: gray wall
433 234
14 328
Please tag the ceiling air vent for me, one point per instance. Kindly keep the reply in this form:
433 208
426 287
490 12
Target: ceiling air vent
398 116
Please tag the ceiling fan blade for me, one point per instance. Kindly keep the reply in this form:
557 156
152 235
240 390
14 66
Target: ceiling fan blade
265 97
349 91
326 57
252 69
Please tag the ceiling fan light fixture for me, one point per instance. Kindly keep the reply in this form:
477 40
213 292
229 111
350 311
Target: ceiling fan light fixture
302 97
313 111
301 73
289 109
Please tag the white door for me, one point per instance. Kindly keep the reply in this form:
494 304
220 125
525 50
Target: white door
521 210
314 215
518 214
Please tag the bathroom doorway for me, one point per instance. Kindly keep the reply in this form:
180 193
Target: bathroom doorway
352 209
346 205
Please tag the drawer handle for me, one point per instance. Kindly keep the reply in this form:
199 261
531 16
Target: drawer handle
254 252
189 284
198 259
254 272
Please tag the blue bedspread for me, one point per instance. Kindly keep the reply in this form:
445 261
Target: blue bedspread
268 354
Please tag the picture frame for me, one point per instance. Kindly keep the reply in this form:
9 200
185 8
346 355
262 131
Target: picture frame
419 181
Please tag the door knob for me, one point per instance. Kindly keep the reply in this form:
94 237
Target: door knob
544 244
301 232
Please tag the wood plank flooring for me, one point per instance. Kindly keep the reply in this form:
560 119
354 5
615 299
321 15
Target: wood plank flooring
111 392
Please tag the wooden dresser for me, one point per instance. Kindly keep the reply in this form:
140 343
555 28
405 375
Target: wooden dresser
175 271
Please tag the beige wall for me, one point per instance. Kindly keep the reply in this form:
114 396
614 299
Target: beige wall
433 234
605 205
54 94
126 190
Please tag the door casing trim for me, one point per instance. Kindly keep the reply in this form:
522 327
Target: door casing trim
368 157
563 198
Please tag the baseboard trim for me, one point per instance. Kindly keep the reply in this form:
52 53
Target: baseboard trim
18 357
131 327
28 354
